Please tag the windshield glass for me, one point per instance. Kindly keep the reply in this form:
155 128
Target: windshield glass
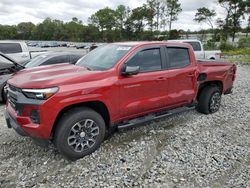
103 57
36 61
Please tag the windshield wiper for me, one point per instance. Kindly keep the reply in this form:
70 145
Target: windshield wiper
88 68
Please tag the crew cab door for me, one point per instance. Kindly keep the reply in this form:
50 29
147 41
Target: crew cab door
147 90
181 76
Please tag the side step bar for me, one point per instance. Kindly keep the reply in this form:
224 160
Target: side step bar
131 123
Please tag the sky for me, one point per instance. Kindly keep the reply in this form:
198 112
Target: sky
16 11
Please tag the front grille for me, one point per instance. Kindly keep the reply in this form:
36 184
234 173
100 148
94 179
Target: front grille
13 88
12 96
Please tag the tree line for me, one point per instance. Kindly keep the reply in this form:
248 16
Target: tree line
151 21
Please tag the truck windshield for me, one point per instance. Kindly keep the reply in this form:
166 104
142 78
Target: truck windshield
103 57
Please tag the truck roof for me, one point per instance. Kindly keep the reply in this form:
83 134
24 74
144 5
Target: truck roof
184 40
142 43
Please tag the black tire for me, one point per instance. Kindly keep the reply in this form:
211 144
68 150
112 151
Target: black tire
71 132
206 102
4 94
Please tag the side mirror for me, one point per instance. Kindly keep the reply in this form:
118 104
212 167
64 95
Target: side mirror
129 70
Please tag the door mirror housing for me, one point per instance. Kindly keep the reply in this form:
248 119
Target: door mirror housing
129 70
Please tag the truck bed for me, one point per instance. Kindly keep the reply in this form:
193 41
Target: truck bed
220 71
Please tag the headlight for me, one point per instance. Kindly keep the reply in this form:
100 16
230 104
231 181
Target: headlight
41 94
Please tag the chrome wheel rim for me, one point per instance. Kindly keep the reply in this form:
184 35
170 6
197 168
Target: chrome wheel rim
83 135
215 102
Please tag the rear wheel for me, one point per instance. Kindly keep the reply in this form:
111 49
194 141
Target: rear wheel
79 133
209 100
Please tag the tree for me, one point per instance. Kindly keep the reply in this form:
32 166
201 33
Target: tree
74 30
248 26
171 9
105 20
138 19
205 15
8 32
174 34
155 13
121 16
235 11
24 30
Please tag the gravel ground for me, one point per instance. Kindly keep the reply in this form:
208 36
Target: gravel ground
185 150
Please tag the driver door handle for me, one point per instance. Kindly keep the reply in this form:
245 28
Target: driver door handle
190 75
161 78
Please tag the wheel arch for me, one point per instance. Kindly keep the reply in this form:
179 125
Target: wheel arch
217 83
97 106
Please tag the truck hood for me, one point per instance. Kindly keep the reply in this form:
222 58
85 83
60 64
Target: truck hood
52 75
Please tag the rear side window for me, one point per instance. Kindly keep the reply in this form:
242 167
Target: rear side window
10 48
178 57
57 60
196 45
148 60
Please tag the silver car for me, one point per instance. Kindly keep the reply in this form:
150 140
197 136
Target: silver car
7 67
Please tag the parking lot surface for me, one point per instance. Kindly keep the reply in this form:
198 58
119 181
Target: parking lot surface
185 150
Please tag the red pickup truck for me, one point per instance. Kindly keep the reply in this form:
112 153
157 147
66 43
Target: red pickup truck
115 86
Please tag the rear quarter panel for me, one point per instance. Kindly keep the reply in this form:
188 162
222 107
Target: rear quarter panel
219 71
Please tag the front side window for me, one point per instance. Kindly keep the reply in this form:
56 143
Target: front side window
10 48
148 60
103 57
178 57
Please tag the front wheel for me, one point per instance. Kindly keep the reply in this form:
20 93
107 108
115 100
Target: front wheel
79 133
209 100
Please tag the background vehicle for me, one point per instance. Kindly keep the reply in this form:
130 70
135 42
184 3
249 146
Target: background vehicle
71 45
17 50
80 46
9 66
114 86
199 51
53 58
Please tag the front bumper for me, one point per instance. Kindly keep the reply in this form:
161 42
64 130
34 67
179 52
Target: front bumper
23 125
11 123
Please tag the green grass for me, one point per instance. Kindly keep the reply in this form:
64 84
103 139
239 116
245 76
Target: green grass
242 59
241 55
240 51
